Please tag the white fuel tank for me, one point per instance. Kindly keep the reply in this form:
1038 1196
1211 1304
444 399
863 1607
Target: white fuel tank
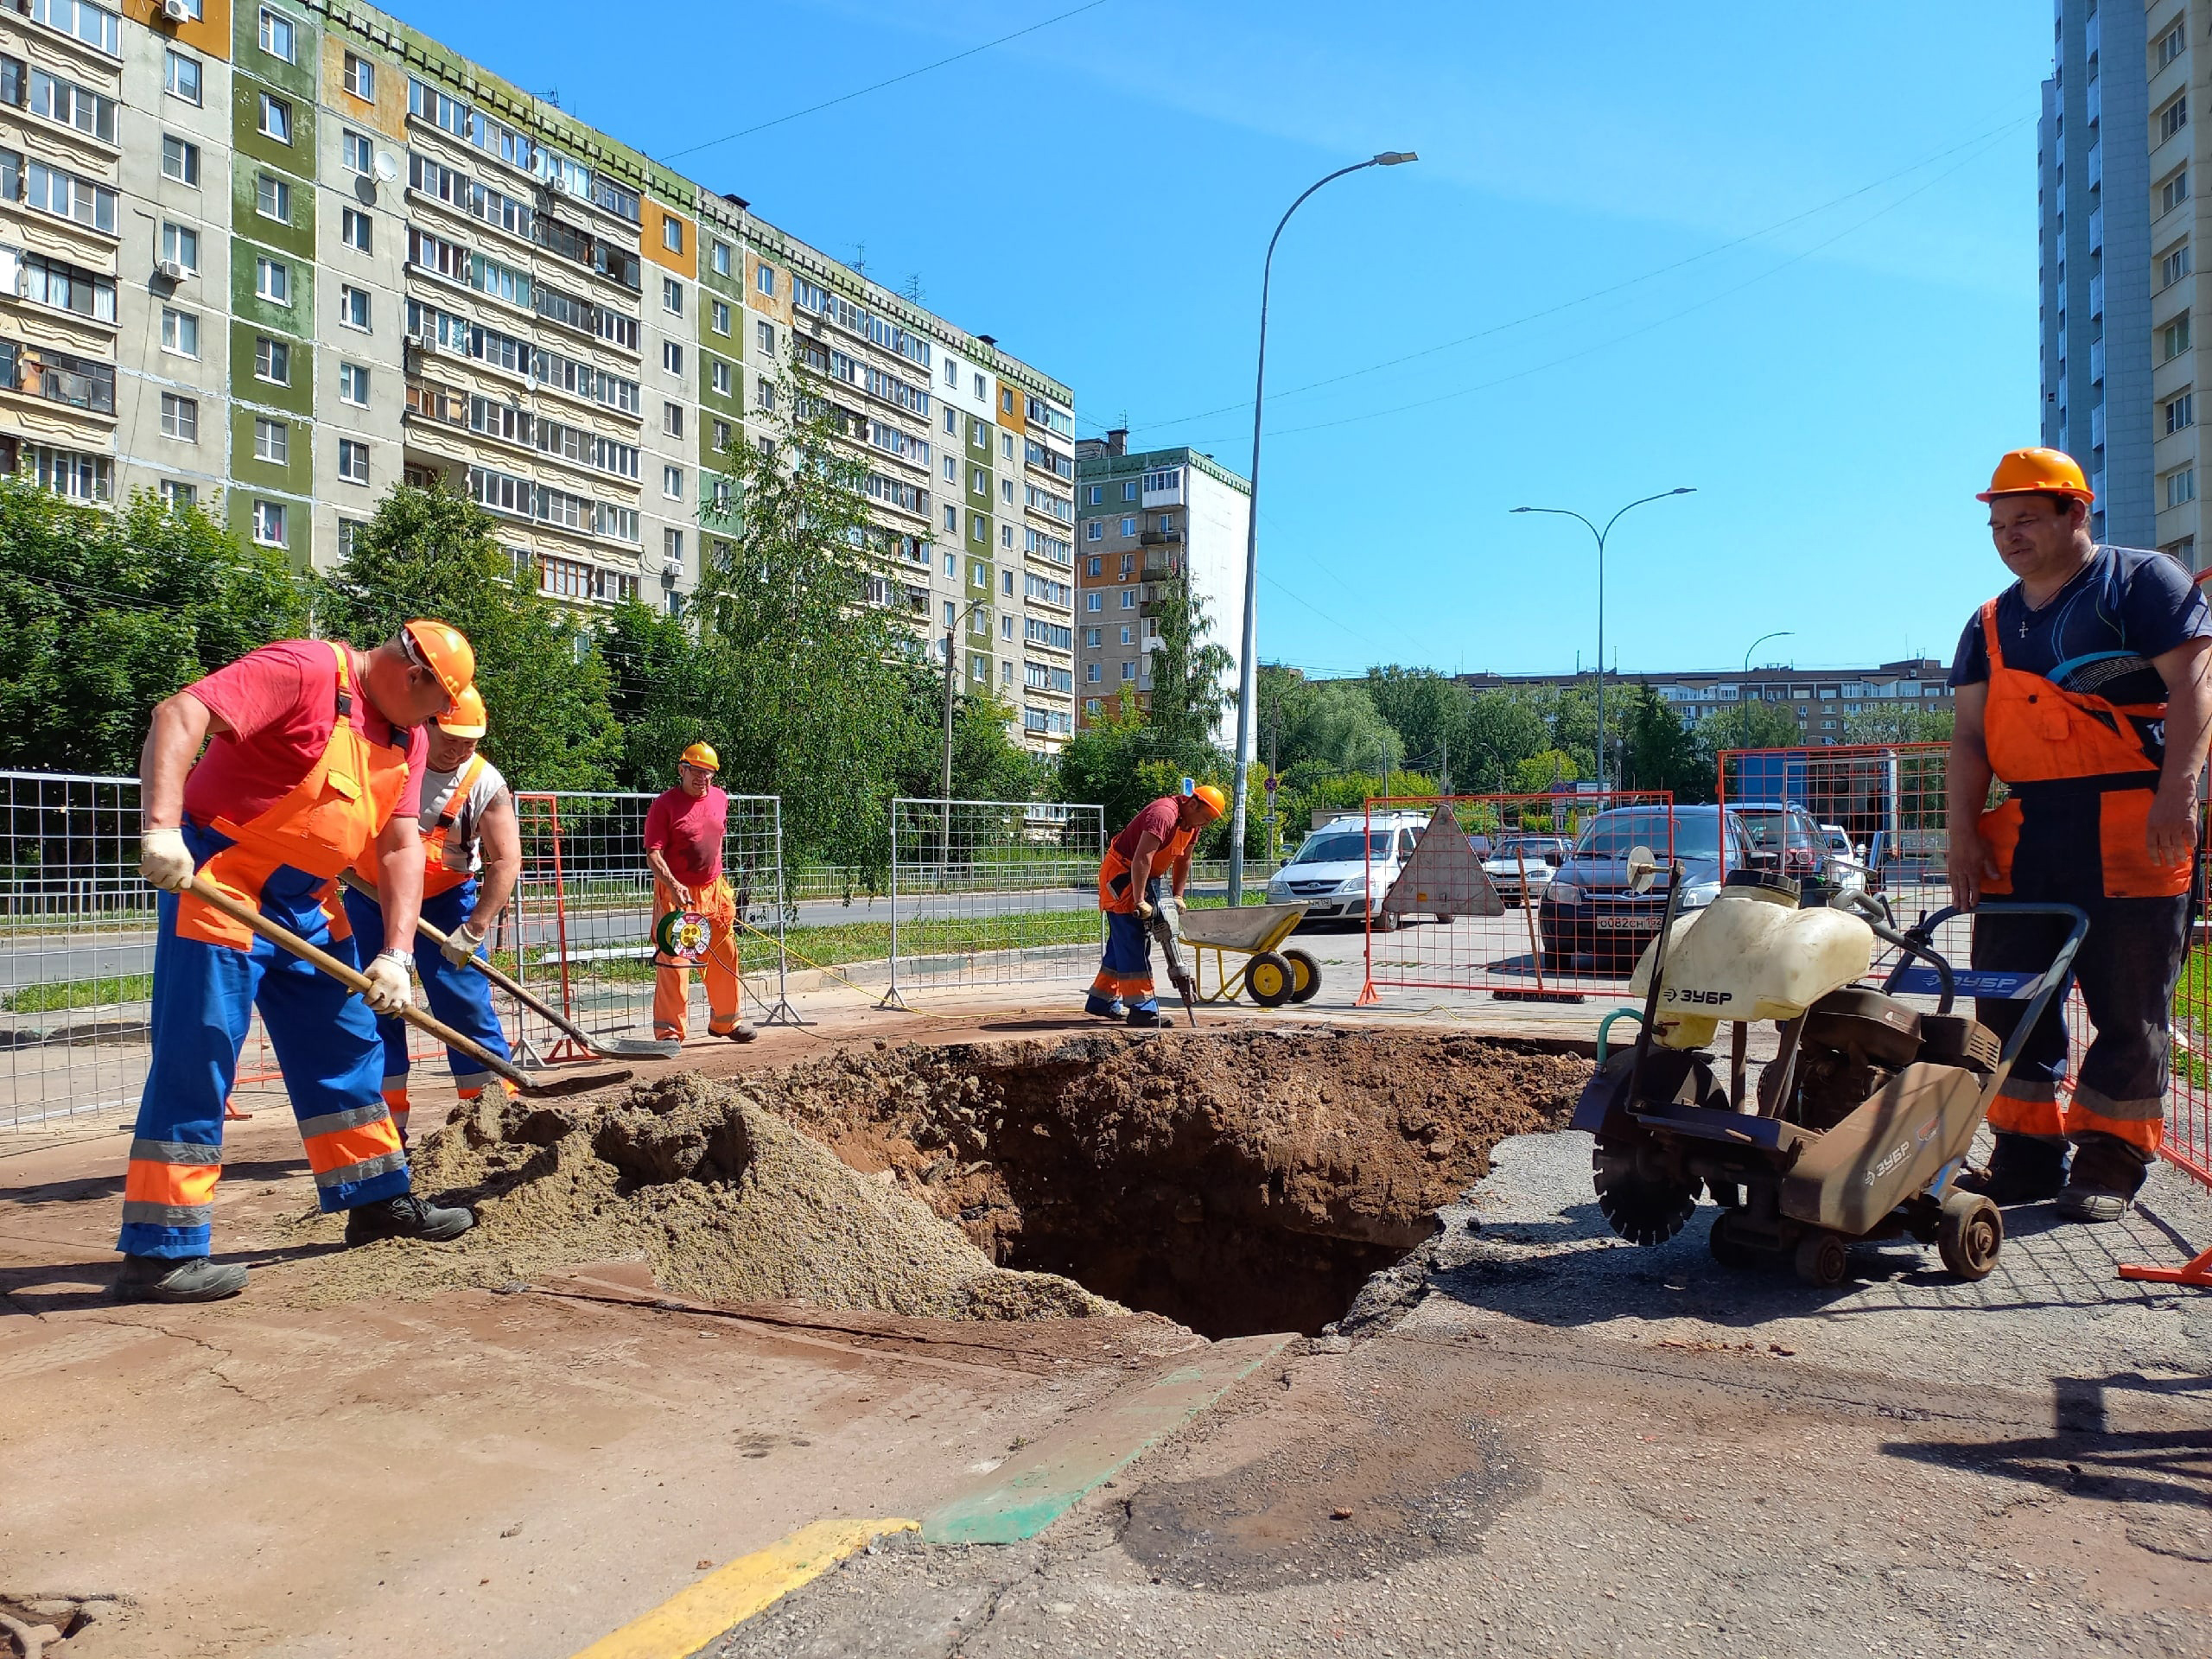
1751 954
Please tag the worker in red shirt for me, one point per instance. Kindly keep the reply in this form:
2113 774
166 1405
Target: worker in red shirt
313 757
684 829
1149 861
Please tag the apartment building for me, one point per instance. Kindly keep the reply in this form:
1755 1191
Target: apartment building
1149 517
1820 701
2119 207
280 257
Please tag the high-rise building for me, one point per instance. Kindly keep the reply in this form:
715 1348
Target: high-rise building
1822 702
2121 206
1148 517
291 253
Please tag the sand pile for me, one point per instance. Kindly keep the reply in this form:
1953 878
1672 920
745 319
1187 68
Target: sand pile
724 1200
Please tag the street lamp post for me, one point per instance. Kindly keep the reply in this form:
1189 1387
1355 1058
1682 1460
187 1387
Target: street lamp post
1568 512
1247 667
1779 634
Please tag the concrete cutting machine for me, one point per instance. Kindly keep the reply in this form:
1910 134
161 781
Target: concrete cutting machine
1858 1126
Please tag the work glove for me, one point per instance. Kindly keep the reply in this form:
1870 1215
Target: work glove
165 860
463 944
1144 910
388 991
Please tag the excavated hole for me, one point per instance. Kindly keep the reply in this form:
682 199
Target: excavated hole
1237 1182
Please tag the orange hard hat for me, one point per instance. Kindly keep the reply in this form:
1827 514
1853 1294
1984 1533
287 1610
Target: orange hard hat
444 650
703 755
466 718
2039 472
1216 803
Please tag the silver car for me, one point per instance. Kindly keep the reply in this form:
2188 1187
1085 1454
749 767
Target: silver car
1520 866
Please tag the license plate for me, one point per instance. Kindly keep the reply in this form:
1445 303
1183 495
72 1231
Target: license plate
1626 924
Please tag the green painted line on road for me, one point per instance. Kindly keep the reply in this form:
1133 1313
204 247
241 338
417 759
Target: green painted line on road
1019 1499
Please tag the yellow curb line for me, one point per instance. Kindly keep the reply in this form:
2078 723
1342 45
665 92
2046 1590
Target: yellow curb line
690 1619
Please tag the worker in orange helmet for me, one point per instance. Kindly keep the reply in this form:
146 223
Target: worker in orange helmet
313 761
2083 688
1148 863
684 829
472 857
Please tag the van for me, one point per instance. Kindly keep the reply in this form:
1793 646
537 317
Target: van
1344 869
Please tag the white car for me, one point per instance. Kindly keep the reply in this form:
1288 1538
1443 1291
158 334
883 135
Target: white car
1846 864
1340 873
1538 855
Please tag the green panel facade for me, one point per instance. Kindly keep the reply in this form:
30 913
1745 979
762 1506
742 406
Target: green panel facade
298 156
298 76
296 318
294 235
294 475
296 396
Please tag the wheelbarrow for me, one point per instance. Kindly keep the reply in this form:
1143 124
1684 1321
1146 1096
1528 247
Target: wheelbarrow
1255 933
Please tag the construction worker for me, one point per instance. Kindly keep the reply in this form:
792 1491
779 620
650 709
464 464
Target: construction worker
471 854
684 829
2082 689
1130 884
314 760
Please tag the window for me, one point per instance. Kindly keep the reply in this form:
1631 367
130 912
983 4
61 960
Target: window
1006 491
353 385
1090 674
672 233
2174 336
178 497
361 77
2181 486
63 194
355 153
1097 565
272 443
181 75
1097 494
65 288
1094 530
268 523
721 435
181 244
2181 412
272 281
721 259
180 332
977 530
1094 601
671 482
764 279
764 335
353 308
179 418
671 296
721 316
951 470
275 35
94 25
2173 117
1128 634
2174 266
352 460
672 357
1129 493
1129 599
180 160
2183 551
60 100
1128 526
719 375
272 360
981 391
354 230
2174 191
1006 539
953 520
2172 44
1129 672
671 419
276 119
273 198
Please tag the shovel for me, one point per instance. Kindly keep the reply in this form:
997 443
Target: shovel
637 1047
246 916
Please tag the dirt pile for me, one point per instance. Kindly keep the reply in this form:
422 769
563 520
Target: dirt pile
725 1201
1238 1182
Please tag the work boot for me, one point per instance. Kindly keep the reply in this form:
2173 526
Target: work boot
1144 1016
2024 1169
740 1033
1105 1007
176 1279
2107 1173
405 1216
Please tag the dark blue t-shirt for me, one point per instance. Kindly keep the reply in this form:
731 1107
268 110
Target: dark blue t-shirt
2098 635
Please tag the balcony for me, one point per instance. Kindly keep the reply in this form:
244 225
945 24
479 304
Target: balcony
2097 294
58 377
2096 359
1159 538
2096 238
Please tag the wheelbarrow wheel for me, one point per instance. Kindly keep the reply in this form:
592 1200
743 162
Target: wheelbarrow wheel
1306 973
1271 980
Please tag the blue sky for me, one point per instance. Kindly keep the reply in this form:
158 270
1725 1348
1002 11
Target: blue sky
1785 255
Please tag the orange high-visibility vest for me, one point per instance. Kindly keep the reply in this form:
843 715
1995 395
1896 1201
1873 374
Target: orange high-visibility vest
436 877
1115 893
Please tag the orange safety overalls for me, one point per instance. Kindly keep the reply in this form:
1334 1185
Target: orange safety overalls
2072 829
1125 964
211 973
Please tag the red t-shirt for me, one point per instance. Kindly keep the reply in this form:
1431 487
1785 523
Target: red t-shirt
689 834
1160 819
279 702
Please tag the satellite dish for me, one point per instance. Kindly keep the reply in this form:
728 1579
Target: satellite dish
387 170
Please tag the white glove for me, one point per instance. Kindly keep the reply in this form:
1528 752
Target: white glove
388 991
460 945
164 860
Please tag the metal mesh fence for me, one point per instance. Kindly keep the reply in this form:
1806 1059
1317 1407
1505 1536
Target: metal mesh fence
1868 816
1521 896
991 893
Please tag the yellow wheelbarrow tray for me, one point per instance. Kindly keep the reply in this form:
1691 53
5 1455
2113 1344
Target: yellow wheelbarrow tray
1255 933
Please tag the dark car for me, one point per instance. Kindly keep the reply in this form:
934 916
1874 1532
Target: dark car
1782 836
1590 914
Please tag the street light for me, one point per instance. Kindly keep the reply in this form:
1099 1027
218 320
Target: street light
1568 512
1247 667
1779 634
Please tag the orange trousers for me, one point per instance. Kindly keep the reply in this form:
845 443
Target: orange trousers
672 978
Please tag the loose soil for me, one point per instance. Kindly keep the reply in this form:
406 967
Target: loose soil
1234 1182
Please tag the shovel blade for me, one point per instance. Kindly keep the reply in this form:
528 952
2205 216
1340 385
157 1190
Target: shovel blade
644 1048
584 1085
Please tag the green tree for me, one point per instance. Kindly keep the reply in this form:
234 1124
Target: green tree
1426 710
431 553
1538 773
662 682
103 613
1501 730
1190 693
1103 762
1335 723
987 765
1658 752
1897 723
1752 725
